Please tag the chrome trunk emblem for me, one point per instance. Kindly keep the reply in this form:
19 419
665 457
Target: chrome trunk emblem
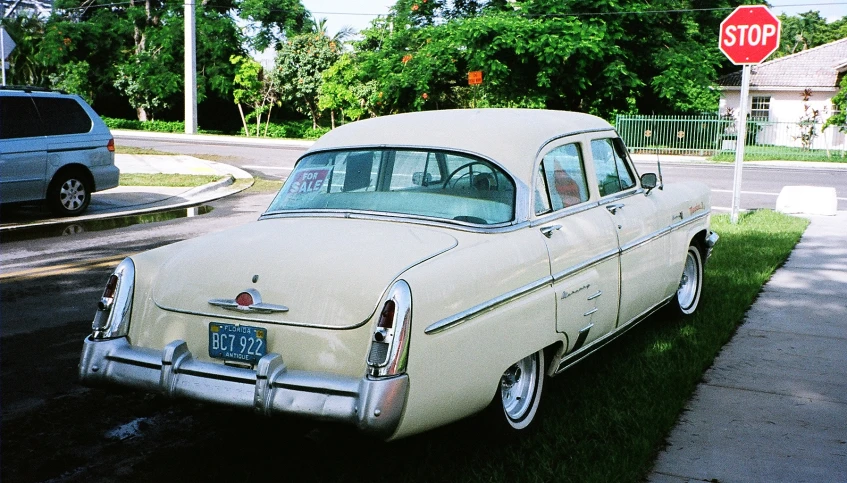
249 301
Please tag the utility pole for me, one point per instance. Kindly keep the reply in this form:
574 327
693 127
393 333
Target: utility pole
190 69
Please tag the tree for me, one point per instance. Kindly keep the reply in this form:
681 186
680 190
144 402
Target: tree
253 88
839 103
596 56
276 19
25 66
342 89
808 30
297 73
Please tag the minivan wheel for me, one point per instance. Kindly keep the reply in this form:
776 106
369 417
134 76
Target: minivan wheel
69 193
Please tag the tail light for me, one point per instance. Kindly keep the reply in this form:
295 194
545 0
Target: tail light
112 317
111 145
390 341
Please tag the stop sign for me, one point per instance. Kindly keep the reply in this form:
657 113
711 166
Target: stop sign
749 34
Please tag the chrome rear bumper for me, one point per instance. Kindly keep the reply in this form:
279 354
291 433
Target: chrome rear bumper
373 405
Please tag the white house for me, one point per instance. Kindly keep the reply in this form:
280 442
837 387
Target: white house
777 95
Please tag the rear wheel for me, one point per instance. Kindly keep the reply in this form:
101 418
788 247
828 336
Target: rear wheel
519 392
691 283
69 193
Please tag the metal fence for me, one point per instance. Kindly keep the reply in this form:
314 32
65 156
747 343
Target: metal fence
711 135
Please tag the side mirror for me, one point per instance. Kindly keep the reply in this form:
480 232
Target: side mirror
649 181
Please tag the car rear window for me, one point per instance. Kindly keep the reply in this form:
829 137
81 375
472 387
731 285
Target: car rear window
421 183
62 116
18 118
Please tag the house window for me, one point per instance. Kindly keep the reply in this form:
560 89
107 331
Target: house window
761 108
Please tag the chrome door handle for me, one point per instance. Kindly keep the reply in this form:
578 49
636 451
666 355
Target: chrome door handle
613 209
548 230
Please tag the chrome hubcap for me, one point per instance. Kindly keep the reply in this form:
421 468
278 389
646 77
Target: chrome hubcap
72 194
687 291
516 386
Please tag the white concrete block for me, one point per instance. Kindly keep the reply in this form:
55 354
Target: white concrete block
807 200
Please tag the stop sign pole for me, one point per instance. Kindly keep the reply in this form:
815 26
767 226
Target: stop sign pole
747 37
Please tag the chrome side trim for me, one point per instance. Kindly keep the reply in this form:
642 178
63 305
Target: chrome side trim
373 405
476 310
579 354
597 295
664 231
572 210
586 264
472 312
590 312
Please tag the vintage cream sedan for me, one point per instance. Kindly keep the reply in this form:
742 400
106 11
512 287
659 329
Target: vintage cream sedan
414 269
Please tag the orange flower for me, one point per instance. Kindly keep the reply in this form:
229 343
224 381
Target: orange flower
415 7
407 58
67 41
425 96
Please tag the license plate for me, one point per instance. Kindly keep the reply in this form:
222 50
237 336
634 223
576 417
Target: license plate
241 343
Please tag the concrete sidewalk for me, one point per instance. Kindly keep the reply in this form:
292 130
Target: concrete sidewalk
773 407
133 200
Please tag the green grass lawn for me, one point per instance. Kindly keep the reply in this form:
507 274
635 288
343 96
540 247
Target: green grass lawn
168 180
134 150
783 153
605 419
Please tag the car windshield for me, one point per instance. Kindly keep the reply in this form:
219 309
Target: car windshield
422 183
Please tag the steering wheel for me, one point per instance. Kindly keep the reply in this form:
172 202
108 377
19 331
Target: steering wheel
470 174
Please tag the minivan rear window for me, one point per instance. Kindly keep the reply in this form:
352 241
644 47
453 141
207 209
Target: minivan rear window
18 118
62 116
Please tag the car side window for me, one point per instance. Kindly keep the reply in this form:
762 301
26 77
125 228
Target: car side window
613 174
565 176
62 116
18 118
542 200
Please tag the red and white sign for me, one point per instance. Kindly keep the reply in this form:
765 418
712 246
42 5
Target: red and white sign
308 181
749 34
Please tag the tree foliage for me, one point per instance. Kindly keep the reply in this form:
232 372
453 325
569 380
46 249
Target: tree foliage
596 56
300 63
808 30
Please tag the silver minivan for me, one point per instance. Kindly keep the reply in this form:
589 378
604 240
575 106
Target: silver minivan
53 147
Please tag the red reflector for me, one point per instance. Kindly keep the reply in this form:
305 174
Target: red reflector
244 299
386 318
111 286
111 145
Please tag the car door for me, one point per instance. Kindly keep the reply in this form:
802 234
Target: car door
644 244
582 245
23 151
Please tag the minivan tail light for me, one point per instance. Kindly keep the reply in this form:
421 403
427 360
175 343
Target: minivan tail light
111 145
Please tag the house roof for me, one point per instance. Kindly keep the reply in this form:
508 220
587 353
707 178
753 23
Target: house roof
818 67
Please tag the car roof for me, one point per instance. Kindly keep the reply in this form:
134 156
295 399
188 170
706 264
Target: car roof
512 137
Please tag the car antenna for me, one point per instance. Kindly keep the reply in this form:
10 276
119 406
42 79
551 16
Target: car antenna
659 164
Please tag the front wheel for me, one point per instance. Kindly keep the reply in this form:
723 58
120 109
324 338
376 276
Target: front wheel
519 392
691 283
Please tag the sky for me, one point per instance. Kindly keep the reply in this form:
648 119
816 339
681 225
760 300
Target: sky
359 13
